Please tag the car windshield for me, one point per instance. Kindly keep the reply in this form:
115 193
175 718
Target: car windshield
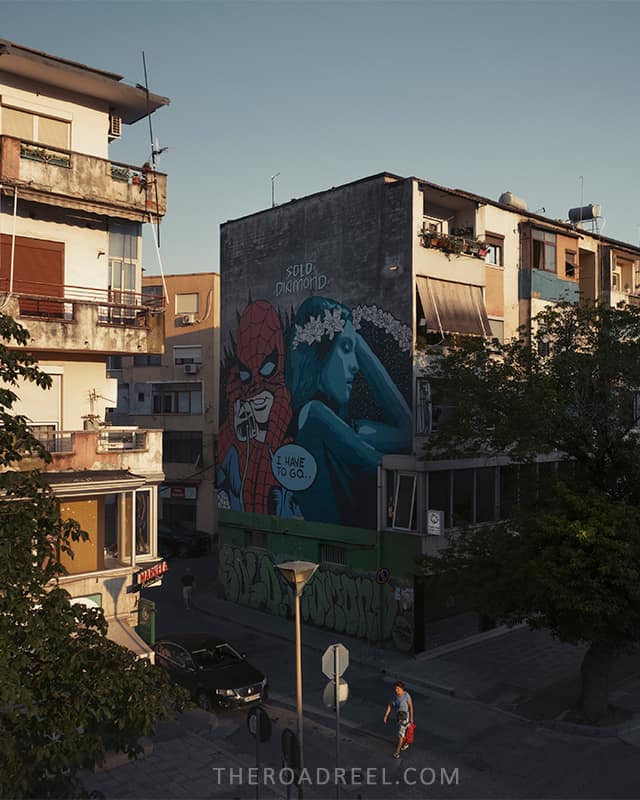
220 656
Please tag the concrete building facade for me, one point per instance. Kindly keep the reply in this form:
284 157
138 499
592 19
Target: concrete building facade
178 391
71 273
328 304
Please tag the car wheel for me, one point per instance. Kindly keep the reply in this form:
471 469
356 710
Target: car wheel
204 701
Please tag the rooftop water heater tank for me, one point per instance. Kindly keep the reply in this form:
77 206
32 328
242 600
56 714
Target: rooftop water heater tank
583 213
510 199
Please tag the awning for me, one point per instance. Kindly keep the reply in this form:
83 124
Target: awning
123 634
453 307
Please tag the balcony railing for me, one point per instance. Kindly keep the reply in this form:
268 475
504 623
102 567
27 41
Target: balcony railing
115 306
455 245
64 177
121 439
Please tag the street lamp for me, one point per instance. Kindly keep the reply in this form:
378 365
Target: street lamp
298 574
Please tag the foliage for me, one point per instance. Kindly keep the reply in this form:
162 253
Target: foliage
68 695
570 560
569 389
572 567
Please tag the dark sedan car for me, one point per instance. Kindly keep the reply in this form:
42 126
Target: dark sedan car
174 540
211 669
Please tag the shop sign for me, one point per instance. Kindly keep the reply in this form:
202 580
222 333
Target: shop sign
178 492
147 576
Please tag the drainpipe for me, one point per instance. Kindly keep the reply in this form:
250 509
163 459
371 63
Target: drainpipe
379 545
13 237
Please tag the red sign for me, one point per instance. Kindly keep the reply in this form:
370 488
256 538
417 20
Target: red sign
148 575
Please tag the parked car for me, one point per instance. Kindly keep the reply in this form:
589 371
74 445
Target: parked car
174 540
211 669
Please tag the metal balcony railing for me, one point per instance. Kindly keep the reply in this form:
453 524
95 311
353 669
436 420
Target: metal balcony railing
115 306
120 439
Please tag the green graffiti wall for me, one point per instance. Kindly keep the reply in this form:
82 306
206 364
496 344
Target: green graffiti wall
339 599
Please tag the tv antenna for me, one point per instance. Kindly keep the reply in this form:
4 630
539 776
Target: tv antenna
156 150
273 195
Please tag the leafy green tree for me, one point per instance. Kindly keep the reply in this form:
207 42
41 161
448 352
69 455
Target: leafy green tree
68 695
570 560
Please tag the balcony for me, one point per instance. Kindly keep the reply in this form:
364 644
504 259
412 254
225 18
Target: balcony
82 319
104 450
72 180
453 245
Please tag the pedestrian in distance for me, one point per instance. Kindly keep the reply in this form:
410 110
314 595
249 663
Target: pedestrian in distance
188 580
402 704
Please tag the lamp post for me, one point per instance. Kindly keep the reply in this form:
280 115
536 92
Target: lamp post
298 574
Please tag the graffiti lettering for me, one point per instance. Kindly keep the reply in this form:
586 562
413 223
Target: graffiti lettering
342 601
294 285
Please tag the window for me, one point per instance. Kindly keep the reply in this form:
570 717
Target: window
404 516
187 355
182 447
570 264
152 296
123 266
440 494
177 398
147 360
495 253
257 539
423 407
544 250
143 538
333 554
114 363
188 303
35 128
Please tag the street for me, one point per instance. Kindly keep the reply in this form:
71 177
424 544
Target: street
463 748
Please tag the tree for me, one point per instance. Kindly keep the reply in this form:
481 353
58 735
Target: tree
68 695
570 560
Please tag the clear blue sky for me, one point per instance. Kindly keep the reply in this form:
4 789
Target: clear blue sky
483 96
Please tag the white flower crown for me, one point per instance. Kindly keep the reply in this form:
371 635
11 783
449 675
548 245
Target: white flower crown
332 323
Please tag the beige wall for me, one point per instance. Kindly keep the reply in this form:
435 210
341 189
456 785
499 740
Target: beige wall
89 125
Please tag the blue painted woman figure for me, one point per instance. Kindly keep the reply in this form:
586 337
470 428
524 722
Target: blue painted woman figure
325 354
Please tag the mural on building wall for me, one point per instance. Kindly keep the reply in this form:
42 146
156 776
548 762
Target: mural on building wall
307 422
344 601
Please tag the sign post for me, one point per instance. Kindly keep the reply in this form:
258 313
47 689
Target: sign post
259 724
335 662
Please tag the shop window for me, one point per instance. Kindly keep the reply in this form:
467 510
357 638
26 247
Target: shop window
333 554
544 250
177 398
404 511
182 447
440 494
462 497
485 510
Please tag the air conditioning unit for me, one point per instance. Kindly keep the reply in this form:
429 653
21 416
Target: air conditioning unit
115 127
189 319
191 369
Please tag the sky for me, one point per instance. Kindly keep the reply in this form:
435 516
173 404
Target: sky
537 98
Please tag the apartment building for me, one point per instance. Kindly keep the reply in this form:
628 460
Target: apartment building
178 392
70 272
328 305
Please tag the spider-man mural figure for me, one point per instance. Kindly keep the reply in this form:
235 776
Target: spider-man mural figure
258 415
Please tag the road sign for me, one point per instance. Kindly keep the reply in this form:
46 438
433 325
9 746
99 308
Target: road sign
383 575
330 659
329 693
258 721
290 749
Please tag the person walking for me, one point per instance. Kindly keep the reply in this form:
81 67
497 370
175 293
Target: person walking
188 580
402 704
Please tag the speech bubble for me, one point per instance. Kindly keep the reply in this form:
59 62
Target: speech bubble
294 467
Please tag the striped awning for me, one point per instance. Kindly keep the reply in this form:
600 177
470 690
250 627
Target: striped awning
453 307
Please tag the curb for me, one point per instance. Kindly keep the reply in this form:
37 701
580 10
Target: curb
420 686
468 641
